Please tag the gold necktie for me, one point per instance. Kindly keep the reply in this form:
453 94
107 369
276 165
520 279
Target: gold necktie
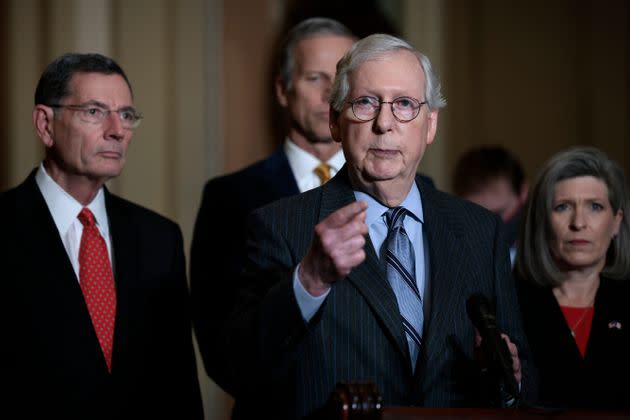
323 172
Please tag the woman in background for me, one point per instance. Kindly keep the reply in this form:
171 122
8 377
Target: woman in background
572 272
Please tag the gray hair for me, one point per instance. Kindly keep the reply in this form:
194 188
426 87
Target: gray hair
534 261
374 47
317 26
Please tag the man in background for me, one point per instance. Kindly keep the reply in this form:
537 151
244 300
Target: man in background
494 178
95 316
308 158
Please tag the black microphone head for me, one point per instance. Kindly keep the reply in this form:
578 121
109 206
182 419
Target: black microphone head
480 311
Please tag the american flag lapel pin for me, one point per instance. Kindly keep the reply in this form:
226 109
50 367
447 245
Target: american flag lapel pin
614 325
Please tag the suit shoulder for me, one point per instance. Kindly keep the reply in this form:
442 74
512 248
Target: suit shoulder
234 178
8 201
138 213
13 198
615 290
464 218
302 203
460 206
249 174
7 196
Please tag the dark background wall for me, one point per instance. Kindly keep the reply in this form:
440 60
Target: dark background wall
538 76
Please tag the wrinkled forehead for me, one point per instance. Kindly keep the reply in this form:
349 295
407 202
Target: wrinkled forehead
394 71
110 89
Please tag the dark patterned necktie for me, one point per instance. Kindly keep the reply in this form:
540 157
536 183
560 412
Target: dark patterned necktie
97 283
401 268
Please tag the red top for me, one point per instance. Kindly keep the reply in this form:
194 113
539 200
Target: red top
579 321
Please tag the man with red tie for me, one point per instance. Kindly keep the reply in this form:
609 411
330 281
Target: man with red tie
95 314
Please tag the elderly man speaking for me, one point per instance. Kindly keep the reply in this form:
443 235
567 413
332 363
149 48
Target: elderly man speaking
367 277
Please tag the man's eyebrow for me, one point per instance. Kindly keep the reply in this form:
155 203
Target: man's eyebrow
99 104
96 103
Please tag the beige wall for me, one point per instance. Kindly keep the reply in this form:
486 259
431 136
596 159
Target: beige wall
171 52
537 76
249 29
534 75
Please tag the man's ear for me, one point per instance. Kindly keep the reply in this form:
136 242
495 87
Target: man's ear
524 191
281 93
432 128
335 130
43 117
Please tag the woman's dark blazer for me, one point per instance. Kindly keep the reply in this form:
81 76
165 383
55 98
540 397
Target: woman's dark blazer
599 380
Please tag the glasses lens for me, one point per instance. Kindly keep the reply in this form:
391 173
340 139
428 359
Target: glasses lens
129 118
365 107
406 109
91 114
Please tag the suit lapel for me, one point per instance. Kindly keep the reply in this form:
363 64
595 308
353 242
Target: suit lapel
279 175
57 294
448 287
48 249
125 251
369 277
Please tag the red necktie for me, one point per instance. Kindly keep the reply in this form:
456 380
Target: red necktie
97 283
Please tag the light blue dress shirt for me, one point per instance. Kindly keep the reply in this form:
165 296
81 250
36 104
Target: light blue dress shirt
377 228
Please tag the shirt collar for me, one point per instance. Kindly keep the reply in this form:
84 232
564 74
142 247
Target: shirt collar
64 208
375 210
302 162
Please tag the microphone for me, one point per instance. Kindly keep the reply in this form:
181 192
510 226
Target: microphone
494 347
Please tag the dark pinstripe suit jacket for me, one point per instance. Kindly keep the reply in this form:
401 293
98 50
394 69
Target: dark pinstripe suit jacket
215 264
277 361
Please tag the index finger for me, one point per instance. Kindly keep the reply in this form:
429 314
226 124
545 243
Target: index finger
345 214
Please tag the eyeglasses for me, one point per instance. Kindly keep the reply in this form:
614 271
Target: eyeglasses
96 114
405 109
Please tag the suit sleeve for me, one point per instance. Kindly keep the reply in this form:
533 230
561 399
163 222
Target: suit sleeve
178 371
260 339
508 313
216 260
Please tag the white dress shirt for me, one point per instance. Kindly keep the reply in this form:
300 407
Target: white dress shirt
65 209
303 163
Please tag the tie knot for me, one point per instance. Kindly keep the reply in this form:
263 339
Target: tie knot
86 217
323 172
395 217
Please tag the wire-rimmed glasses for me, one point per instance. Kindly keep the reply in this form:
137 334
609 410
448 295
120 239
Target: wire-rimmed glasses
404 108
96 114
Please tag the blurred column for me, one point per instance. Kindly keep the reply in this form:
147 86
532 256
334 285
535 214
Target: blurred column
422 26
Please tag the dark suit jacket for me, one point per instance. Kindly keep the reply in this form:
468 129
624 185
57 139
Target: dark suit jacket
218 251
272 359
599 380
53 365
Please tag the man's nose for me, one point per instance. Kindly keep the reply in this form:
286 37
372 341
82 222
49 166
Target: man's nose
384 119
114 128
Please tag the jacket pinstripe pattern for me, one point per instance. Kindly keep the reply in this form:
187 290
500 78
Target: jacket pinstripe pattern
357 333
